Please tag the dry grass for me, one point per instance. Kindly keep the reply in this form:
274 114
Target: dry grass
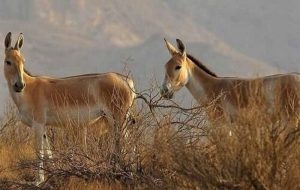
167 148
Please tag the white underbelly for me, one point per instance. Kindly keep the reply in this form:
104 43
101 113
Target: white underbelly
81 115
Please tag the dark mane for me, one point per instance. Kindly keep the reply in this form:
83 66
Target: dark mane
28 73
200 65
181 48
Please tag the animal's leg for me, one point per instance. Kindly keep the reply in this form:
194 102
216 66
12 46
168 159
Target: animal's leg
230 114
124 125
129 120
231 124
117 137
116 134
133 153
85 138
39 131
48 147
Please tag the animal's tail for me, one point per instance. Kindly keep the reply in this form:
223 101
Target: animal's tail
132 88
130 115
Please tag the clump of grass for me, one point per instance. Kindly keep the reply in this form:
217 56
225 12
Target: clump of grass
169 147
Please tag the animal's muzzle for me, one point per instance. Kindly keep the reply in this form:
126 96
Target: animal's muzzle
166 93
19 86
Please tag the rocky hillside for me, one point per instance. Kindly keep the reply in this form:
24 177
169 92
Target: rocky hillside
79 36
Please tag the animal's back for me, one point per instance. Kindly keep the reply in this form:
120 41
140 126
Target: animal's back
275 93
89 96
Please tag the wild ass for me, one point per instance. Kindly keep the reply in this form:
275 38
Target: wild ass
229 93
43 101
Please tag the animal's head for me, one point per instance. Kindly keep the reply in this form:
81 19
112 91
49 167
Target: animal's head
14 63
176 71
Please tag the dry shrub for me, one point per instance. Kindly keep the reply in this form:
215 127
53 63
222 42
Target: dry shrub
262 153
169 147
15 148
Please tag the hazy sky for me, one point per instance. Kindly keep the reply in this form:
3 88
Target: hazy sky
233 37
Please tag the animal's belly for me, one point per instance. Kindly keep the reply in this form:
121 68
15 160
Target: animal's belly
85 115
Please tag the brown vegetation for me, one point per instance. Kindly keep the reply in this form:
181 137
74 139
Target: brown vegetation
169 147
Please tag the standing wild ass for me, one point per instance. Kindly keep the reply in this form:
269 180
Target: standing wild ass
273 93
45 101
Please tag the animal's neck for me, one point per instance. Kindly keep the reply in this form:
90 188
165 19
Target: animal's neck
200 83
27 77
28 80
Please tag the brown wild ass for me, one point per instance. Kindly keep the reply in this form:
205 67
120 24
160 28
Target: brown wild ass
229 93
43 101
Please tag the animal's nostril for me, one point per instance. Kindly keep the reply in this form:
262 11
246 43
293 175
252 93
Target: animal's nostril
162 91
19 86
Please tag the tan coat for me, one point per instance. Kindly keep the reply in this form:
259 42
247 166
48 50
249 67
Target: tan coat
45 101
233 94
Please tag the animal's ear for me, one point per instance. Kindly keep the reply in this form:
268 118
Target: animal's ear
19 42
171 48
7 41
181 47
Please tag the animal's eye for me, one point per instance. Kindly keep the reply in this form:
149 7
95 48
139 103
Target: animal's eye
177 67
8 62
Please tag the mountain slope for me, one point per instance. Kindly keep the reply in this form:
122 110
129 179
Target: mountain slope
79 36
